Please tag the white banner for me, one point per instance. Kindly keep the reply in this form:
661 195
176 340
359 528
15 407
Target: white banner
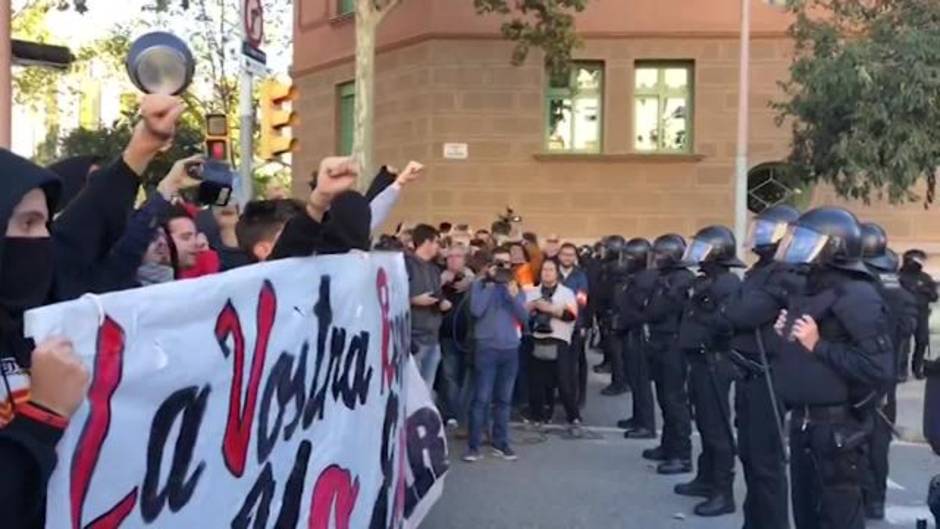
281 395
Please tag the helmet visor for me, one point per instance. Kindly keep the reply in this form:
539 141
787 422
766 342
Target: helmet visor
765 233
801 246
697 252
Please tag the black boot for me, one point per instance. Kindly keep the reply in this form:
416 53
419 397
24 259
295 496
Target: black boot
626 424
697 488
719 504
672 467
933 499
654 454
639 433
875 510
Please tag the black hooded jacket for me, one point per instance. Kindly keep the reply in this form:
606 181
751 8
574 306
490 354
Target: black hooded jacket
345 227
27 446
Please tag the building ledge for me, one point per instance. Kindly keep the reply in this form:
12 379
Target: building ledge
615 158
343 19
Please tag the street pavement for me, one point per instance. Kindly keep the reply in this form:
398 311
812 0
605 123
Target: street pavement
602 482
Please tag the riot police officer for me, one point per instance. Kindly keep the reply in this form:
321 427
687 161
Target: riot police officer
902 320
705 338
663 313
918 282
752 311
631 300
836 355
613 276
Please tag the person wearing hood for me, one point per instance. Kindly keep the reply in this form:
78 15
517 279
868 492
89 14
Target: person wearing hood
88 228
705 339
74 173
918 282
32 415
752 311
836 357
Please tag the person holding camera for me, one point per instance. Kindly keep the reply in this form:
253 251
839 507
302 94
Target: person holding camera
499 312
554 309
456 280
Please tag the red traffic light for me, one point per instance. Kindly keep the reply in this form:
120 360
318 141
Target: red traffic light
217 149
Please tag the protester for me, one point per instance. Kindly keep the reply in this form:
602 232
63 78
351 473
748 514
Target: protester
218 223
260 226
427 302
552 246
157 265
74 173
456 351
573 277
184 242
498 308
522 269
554 309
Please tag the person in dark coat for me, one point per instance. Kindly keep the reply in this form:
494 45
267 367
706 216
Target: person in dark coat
752 311
705 338
74 173
836 357
924 288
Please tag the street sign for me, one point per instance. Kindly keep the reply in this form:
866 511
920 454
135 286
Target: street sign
255 60
253 23
456 151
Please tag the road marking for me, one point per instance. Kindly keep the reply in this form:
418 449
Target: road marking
906 516
894 485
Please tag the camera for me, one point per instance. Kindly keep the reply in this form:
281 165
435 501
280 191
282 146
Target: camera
215 183
502 273
542 322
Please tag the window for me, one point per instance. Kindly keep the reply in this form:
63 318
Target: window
663 107
773 183
347 121
574 107
345 7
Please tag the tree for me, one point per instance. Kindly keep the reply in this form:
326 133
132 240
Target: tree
864 96
544 24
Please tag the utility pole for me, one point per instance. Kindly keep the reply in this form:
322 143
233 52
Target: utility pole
740 161
247 117
6 74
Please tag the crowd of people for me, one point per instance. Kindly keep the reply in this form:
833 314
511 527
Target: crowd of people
819 328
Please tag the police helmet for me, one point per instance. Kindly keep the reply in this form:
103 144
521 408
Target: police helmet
613 246
637 252
824 236
668 251
875 247
769 227
714 244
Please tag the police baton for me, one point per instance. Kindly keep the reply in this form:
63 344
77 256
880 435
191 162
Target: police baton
768 379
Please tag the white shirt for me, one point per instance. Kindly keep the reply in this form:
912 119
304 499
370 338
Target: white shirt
564 298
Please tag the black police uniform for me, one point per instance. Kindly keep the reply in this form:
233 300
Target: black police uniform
924 289
705 338
752 310
631 303
902 320
663 313
827 436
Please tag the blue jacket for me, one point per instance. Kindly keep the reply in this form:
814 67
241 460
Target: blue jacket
498 317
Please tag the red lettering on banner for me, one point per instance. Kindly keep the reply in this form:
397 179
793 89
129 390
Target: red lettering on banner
108 367
238 426
388 366
336 488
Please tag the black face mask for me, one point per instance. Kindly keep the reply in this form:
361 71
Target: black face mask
26 271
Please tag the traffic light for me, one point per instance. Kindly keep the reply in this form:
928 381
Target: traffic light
217 138
275 118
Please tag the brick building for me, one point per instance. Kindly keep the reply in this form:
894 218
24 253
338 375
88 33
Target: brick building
645 143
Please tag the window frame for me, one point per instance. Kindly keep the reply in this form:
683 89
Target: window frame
344 90
345 7
571 93
662 93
